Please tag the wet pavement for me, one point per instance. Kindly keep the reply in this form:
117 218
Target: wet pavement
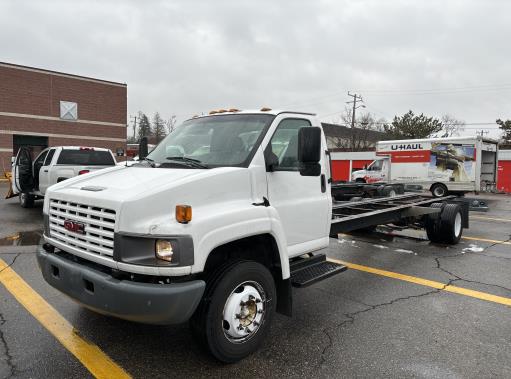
356 324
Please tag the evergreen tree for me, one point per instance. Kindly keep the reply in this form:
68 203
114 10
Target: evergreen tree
411 126
144 126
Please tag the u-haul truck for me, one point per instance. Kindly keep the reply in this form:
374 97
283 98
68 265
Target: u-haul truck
442 165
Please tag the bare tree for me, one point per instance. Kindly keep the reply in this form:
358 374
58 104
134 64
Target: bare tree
158 127
357 139
451 126
170 124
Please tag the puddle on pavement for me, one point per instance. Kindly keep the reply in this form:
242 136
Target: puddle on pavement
22 239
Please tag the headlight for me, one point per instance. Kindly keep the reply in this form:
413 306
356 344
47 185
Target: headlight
163 250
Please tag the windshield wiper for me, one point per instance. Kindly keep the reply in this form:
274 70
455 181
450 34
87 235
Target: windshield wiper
151 161
190 161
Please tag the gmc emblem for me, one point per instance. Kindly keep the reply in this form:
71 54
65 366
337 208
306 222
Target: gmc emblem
75 227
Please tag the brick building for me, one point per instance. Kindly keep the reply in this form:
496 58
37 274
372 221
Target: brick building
40 108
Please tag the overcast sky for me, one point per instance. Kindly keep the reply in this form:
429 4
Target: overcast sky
188 57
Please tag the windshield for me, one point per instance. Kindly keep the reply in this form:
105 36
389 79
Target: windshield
227 140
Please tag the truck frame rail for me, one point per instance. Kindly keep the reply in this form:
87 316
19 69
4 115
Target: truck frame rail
354 215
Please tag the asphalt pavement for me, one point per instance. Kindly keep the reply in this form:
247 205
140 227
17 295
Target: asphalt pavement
392 314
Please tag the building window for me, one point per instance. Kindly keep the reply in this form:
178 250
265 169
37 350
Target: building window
68 110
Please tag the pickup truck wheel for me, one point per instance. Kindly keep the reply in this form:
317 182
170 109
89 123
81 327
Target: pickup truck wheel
449 228
389 191
235 315
26 200
438 190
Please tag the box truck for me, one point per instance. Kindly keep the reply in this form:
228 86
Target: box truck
441 165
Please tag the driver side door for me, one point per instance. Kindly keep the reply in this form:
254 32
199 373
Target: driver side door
23 179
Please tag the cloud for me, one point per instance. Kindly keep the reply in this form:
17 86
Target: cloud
187 57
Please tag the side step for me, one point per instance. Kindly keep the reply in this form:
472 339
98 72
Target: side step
307 271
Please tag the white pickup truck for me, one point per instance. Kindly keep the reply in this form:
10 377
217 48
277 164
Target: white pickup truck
31 179
214 226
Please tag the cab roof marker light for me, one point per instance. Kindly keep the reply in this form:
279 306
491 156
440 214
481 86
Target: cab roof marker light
213 112
221 111
265 109
234 110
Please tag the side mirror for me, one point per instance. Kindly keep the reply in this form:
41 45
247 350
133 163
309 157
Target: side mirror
142 148
309 151
270 159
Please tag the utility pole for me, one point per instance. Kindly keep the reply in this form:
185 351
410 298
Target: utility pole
482 132
354 101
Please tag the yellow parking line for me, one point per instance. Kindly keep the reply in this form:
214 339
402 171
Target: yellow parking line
486 240
489 218
428 283
90 355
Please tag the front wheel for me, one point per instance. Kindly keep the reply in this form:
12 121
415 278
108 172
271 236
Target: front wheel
235 314
26 200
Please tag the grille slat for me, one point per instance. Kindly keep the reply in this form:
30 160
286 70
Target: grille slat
99 225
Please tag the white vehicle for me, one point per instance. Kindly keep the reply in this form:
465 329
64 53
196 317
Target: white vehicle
441 165
31 179
214 226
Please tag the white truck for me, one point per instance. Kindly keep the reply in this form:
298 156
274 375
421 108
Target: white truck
442 165
214 226
31 179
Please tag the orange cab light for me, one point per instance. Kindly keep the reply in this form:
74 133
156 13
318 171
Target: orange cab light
234 110
213 112
183 213
222 111
265 109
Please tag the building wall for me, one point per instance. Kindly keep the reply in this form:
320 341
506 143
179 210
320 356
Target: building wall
30 106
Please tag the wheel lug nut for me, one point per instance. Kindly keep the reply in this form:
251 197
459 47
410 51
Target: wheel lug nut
258 301
256 323
251 297
260 311
240 327
248 330
242 303
238 316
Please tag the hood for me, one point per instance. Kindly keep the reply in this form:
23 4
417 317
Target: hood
110 187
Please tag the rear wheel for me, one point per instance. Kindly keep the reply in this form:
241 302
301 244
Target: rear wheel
235 314
389 191
439 190
26 200
446 227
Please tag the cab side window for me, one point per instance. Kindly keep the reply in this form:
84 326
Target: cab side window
40 159
284 143
49 157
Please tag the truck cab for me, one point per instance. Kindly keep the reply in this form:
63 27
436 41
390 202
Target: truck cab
377 171
32 177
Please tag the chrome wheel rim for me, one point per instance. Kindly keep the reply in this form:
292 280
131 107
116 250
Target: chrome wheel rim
244 312
457 224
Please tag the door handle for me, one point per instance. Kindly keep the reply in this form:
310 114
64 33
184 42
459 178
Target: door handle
45 170
323 183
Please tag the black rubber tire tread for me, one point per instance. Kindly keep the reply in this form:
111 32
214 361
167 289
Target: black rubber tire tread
206 322
400 189
29 200
439 185
442 230
387 190
448 218
432 224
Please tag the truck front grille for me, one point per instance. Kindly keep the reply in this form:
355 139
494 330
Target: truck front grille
95 224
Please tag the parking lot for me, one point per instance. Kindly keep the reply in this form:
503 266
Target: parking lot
405 308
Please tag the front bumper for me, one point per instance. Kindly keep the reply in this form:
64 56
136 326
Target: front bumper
134 301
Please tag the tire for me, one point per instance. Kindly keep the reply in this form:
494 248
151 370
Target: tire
26 200
360 180
449 228
439 190
389 191
400 189
217 322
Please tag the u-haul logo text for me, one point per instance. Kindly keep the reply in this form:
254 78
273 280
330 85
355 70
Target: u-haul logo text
409 146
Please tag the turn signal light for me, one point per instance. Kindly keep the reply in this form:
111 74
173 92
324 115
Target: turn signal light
183 214
81 172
